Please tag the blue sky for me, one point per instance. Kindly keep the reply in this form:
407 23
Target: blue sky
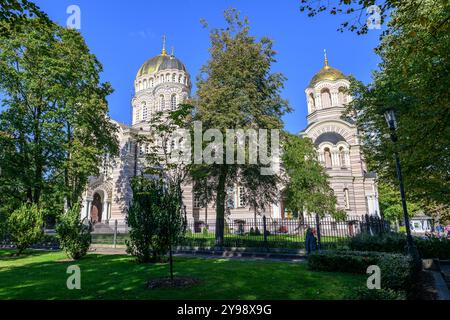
124 34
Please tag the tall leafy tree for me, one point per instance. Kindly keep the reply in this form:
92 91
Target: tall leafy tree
236 90
55 127
413 80
13 10
307 186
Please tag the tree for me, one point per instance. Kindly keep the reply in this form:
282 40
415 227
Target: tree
74 234
13 10
55 124
155 219
359 11
391 205
25 226
236 90
307 186
413 80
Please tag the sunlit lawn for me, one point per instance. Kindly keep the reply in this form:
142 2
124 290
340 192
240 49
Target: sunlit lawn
41 275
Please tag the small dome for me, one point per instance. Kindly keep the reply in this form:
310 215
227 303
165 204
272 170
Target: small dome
326 73
160 62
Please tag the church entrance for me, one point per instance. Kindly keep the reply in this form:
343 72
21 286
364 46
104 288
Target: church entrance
96 210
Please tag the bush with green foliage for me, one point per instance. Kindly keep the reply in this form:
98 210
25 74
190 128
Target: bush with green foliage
342 261
397 270
363 293
388 242
155 219
74 234
25 226
430 248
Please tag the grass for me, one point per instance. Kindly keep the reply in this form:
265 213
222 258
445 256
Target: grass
42 275
230 240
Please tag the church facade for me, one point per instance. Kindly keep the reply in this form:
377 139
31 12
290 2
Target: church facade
163 82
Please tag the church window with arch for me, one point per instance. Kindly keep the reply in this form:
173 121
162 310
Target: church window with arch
161 103
325 95
327 155
342 157
346 199
173 102
342 95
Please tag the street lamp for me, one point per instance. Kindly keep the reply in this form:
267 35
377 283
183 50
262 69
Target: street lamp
392 124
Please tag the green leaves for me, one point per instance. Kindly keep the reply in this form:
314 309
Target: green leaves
413 80
25 226
74 234
307 183
155 218
55 122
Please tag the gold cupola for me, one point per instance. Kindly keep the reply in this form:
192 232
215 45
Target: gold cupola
160 62
326 73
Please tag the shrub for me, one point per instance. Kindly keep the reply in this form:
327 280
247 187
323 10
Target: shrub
388 242
342 261
395 242
433 248
74 234
397 270
25 226
364 293
155 218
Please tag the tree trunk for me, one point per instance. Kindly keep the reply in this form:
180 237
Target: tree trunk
220 206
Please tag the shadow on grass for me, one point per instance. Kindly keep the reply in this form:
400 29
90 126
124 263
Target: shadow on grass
43 276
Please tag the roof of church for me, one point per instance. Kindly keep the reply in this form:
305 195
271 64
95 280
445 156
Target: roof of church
326 73
160 62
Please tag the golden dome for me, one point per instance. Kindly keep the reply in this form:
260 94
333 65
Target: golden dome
326 73
160 62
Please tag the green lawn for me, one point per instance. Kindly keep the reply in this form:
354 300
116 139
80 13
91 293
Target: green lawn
40 275
208 240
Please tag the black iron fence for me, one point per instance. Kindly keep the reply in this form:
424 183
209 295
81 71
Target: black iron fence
248 233
261 232
284 233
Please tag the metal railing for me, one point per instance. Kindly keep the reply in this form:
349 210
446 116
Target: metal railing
261 232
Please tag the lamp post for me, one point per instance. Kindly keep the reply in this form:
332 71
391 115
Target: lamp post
392 124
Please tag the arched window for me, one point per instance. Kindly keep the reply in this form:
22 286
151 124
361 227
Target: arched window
173 77
144 111
145 83
136 115
312 102
326 98
342 95
346 199
179 78
161 103
342 157
327 154
151 82
173 102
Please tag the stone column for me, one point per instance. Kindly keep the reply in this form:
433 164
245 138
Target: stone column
88 209
85 209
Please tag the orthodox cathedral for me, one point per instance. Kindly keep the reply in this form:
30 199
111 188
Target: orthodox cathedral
163 82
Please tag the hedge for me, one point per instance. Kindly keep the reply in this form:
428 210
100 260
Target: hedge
432 248
397 270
